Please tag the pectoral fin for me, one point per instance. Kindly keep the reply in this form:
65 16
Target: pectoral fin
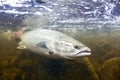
21 47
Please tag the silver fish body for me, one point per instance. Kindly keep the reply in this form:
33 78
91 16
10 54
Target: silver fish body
53 44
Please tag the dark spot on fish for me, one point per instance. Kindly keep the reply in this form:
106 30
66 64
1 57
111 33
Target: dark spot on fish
51 52
17 39
42 45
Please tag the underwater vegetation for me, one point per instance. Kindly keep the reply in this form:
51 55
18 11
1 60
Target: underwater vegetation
103 64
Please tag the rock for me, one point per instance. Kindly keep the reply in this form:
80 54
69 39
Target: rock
110 70
12 74
113 52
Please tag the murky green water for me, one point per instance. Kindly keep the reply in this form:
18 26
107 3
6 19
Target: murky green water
102 64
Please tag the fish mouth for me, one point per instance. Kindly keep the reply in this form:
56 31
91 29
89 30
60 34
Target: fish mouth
84 53
80 54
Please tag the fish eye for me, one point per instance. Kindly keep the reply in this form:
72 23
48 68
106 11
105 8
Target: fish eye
77 47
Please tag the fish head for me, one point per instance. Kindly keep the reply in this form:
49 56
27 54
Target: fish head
69 50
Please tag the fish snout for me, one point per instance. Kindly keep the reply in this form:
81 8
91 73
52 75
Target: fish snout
84 52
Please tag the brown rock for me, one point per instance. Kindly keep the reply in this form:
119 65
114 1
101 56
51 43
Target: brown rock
110 70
